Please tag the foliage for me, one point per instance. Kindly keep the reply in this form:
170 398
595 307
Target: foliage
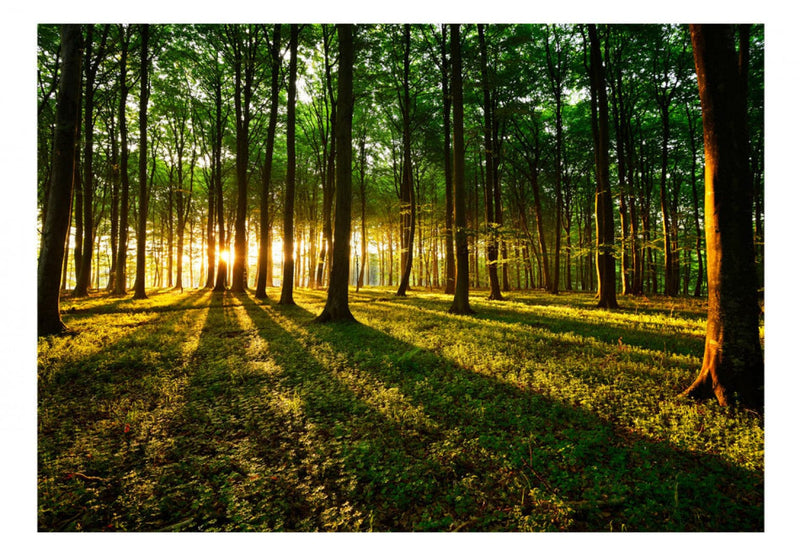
216 412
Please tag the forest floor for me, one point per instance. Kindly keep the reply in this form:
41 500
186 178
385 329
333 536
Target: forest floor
208 412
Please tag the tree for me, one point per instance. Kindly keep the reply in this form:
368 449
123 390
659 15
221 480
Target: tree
141 229
54 234
604 211
733 362
407 209
264 254
244 43
491 157
288 205
120 279
91 65
460 304
337 306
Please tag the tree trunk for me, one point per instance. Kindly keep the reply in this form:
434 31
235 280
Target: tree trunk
120 280
449 254
460 304
733 362
406 185
54 233
604 211
263 250
139 284
288 206
491 247
337 305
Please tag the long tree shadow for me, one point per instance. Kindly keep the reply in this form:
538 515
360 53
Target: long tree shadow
98 416
499 457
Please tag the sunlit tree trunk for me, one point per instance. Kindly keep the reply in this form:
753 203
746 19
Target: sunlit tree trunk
54 233
460 304
733 362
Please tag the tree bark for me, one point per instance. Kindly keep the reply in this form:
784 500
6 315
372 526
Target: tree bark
287 285
491 248
604 205
449 254
120 280
337 307
406 184
54 233
460 304
733 362
141 233
264 255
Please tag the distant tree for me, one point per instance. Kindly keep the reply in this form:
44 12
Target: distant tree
337 306
288 206
460 304
141 228
54 234
733 362
604 204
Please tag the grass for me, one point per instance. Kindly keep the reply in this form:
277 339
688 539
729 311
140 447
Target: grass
219 412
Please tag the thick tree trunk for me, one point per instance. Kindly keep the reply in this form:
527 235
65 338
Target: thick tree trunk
287 285
337 305
733 362
54 233
460 304
604 211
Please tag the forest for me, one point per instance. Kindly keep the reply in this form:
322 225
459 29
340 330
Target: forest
400 277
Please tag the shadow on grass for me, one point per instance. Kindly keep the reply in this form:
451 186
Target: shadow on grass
496 457
280 424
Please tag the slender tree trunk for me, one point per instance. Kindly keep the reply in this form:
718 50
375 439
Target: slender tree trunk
449 254
733 362
120 280
144 83
54 232
337 306
84 272
288 205
406 184
491 248
264 243
460 304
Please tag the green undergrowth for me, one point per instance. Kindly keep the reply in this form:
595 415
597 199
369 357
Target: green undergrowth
205 411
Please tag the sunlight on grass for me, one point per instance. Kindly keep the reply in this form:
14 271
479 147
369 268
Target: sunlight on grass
218 412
